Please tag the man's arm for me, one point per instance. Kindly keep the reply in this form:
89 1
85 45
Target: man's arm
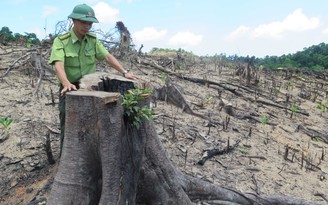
60 72
112 61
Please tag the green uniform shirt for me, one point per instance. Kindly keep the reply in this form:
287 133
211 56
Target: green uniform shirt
79 57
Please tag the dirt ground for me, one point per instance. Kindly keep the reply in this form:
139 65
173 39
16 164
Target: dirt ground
259 164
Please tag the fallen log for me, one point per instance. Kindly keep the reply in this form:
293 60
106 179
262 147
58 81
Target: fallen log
312 133
170 93
181 76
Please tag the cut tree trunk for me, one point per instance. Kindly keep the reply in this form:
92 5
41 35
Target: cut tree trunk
105 160
101 155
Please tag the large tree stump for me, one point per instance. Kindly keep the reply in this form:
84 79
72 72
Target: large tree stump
105 160
101 155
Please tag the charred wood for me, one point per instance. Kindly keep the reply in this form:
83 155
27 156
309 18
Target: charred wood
215 152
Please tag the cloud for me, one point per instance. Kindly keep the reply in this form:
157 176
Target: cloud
38 31
148 34
240 31
325 31
48 10
294 22
185 39
105 13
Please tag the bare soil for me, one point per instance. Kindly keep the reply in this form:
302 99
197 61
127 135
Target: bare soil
260 164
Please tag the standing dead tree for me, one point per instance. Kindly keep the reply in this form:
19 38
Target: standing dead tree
219 62
181 61
106 160
247 72
125 38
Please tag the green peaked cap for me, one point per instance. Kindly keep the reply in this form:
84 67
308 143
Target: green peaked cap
83 12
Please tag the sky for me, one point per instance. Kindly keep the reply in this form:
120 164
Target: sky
205 27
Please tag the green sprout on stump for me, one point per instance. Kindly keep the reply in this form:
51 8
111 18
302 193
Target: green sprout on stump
264 120
6 121
322 106
294 110
134 112
243 150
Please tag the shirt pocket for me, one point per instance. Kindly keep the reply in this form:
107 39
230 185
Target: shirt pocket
72 59
90 56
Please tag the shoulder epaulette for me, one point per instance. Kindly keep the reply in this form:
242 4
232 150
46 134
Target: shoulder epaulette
64 36
92 35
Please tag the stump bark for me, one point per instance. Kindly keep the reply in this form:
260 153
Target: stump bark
101 155
106 160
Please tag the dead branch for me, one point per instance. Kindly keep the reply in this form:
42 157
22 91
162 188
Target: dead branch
312 133
37 58
48 149
229 109
53 130
215 152
11 66
180 75
322 196
279 106
255 157
14 51
250 116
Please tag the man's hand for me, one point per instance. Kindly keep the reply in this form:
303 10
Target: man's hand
112 61
60 71
131 76
67 87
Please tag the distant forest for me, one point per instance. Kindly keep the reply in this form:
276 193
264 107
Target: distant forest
7 36
311 58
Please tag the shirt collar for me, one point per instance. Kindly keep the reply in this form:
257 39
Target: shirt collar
74 37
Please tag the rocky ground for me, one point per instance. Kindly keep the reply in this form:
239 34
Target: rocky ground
282 148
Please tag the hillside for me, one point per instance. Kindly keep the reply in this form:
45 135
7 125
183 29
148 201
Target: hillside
283 135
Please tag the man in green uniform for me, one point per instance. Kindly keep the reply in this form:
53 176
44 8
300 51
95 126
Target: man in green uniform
74 55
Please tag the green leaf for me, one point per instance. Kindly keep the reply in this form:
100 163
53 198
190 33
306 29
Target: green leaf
6 122
136 108
131 109
294 108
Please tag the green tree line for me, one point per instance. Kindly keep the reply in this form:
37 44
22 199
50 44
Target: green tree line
6 36
312 58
